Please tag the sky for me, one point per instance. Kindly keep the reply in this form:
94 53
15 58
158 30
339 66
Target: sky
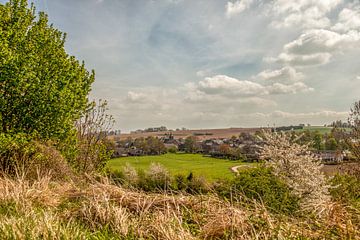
216 63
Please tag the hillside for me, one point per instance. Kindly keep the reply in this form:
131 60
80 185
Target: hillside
202 134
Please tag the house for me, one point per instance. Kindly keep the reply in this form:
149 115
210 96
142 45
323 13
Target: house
329 156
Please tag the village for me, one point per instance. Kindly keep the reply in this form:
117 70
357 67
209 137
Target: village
246 146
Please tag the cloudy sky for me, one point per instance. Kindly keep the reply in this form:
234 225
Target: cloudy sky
215 63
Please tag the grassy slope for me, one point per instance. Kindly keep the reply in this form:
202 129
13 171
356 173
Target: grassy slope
210 168
320 129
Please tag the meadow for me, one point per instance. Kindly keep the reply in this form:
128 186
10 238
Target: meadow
320 129
181 163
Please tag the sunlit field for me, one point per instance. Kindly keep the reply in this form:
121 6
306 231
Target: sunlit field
210 168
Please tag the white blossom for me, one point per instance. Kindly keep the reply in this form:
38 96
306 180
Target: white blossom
299 169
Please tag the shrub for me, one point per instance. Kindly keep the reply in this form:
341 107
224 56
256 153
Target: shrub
346 189
93 149
29 158
43 89
172 149
297 167
198 185
156 178
260 184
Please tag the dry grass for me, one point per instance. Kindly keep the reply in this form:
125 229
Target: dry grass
97 209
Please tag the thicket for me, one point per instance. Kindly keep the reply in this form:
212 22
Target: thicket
262 185
43 92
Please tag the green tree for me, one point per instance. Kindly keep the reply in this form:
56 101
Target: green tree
43 90
331 144
354 122
318 141
190 144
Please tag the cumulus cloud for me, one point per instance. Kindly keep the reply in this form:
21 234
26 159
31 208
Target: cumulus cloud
348 19
321 40
301 60
136 96
284 75
304 13
234 8
316 47
279 88
233 88
221 84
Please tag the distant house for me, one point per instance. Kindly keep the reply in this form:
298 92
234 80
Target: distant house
328 156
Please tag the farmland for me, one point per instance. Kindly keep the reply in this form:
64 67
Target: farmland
210 168
201 134
320 129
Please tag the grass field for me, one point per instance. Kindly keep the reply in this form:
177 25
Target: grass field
320 129
210 168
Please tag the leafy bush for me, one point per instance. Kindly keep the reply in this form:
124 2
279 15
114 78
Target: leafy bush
260 184
29 158
43 89
346 189
156 178
172 149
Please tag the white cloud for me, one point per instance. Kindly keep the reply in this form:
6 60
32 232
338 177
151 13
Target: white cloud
285 74
316 47
321 40
234 8
221 84
136 97
279 88
301 60
304 13
225 86
348 19
358 77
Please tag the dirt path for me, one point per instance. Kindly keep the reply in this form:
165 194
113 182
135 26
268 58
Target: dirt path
235 169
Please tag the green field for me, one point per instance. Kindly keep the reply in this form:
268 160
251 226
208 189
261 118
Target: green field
320 129
210 168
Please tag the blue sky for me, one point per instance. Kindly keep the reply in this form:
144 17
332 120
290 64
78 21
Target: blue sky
214 63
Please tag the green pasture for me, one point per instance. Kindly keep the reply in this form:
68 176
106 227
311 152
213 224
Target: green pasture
180 163
320 129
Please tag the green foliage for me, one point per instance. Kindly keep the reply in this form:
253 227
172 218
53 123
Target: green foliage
260 184
20 154
331 144
346 189
43 90
190 144
156 178
318 141
11 148
172 149
149 146
354 121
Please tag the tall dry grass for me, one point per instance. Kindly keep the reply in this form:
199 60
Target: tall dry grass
98 209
